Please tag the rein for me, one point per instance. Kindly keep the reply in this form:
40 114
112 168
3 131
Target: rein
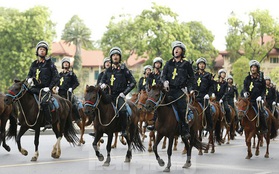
246 115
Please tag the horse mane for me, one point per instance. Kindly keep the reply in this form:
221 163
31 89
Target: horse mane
90 89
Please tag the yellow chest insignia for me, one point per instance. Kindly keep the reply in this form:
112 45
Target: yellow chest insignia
174 73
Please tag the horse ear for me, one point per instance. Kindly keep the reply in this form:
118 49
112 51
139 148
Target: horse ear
17 80
87 86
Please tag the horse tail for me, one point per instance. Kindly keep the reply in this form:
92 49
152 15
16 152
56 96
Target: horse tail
136 141
70 132
195 142
274 127
218 131
12 131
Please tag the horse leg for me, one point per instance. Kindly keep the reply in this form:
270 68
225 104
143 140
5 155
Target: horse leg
211 139
267 138
3 134
248 137
115 140
81 128
175 143
151 139
36 142
200 138
254 141
164 143
167 169
56 151
107 162
257 153
157 141
95 147
189 154
22 130
228 134
129 151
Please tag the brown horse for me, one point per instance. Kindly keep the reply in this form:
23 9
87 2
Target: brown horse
250 122
31 117
229 126
147 118
7 112
107 121
167 125
215 114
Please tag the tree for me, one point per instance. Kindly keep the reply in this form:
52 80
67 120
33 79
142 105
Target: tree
239 70
248 37
274 76
77 33
20 32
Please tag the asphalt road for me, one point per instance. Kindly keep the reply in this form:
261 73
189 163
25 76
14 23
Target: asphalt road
228 159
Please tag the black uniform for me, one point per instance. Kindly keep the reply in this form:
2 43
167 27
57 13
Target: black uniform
180 75
100 77
119 79
203 83
154 79
44 74
231 94
221 92
256 87
142 84
68 80
270 96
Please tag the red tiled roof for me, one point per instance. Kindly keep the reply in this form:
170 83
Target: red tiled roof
92 58
135 60
219 61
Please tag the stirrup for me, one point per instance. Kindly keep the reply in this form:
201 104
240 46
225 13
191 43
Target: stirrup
151 127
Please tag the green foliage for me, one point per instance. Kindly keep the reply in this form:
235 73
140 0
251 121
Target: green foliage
274 76
20 32
76 32
240 70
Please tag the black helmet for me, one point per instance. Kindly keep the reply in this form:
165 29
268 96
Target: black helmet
254 63
65 59
178 44
43 44
106 59
115 50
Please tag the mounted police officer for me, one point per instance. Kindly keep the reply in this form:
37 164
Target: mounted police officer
221 91
143 80
270 94
67 84
106 65
42 77
154 78
120 80
178 77
255 88
203 83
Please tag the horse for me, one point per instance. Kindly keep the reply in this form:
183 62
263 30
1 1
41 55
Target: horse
32 118
250 122
107 121
167 125
229 126
7 112
203 123
147 118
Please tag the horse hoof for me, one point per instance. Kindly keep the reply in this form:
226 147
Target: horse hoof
248 157
34 158
24 152
257 153
113 146
200 153
7 148
184 152
163 147
101 157
187 165
212 151
166 169
175 149
228 143
55 156
266 155
161 162
127 160
106 164
150 149
206 151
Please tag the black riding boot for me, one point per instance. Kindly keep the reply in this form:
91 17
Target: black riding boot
124 120
228 118
152 126
47 115
209 122
263 122
76 114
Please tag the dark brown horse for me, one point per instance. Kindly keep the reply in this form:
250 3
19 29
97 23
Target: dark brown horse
229 126
250 122
32 118
167 125
7 112
107 121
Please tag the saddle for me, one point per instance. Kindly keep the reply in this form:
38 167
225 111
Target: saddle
53 103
